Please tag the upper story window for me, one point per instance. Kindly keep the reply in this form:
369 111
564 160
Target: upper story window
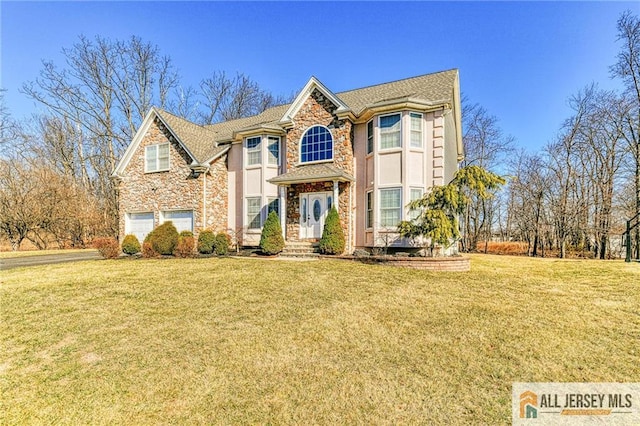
253 151
156 158
390 131
316 145
370 137
416 130
273 150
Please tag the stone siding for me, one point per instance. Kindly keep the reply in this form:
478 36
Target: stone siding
293 206
175 189
318 110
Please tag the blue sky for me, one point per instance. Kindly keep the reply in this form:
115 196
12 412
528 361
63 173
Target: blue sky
520 60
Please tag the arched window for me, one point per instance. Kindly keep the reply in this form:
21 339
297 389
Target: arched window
316 145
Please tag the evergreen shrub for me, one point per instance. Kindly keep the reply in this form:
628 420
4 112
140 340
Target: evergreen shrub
332 241
271 240
205 241
164 238
130 244
221 244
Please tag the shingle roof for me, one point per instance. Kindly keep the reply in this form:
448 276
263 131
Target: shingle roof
312 173
202 140
199 140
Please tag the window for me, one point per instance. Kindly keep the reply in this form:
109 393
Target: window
390 207
416 130
369 219
370 137
316 145
181 219
156 158
416 194
253 151
273 147
390 135
273 205
253 213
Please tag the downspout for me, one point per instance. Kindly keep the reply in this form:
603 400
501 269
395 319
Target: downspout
204 200
350 229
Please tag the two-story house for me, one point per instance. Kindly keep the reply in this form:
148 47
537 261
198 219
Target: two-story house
367 151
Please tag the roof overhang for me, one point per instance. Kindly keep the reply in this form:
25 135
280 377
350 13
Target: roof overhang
260 129
389 105
319 173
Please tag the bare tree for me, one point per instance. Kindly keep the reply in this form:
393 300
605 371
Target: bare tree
229 98
100 98
485 146
627 68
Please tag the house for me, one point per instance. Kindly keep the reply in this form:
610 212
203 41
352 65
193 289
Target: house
368 152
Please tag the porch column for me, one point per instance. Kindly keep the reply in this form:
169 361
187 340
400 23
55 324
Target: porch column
283 210
335 195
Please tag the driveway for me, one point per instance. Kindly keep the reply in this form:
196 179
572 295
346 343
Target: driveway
47 259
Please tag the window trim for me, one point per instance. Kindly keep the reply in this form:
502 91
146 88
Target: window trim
270 141
399 208
370 138
411 212
381 131
257 149
420 116
270 201
157 157
327 160
259 213
369 209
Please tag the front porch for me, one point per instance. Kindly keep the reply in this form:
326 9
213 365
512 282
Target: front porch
307 195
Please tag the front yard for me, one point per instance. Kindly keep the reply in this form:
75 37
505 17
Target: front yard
257 341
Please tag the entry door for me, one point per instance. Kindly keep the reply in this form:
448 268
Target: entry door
313 212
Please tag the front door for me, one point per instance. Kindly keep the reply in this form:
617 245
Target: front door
313 211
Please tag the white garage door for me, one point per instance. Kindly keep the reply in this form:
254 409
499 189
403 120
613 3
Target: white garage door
182 219
139 224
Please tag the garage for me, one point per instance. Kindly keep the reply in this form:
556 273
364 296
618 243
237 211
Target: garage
182 219
139 224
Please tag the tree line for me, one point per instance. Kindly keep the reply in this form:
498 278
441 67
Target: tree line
576 194
572 197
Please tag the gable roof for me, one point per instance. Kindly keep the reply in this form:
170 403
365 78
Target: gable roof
429 89
206 143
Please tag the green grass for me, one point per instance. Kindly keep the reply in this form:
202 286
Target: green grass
330 342
12 254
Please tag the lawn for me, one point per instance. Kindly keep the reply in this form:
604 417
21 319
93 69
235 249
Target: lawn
231 340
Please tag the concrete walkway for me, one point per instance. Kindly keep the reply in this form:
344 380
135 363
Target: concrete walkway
47 259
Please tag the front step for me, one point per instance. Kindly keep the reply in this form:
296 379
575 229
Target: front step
300 249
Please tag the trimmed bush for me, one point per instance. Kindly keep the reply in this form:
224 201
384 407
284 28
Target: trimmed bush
130 244
186 244
332 241
147 250
221 244
164 238
108 247
271 240
206 240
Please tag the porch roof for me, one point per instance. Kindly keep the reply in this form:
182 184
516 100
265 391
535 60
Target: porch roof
312 173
